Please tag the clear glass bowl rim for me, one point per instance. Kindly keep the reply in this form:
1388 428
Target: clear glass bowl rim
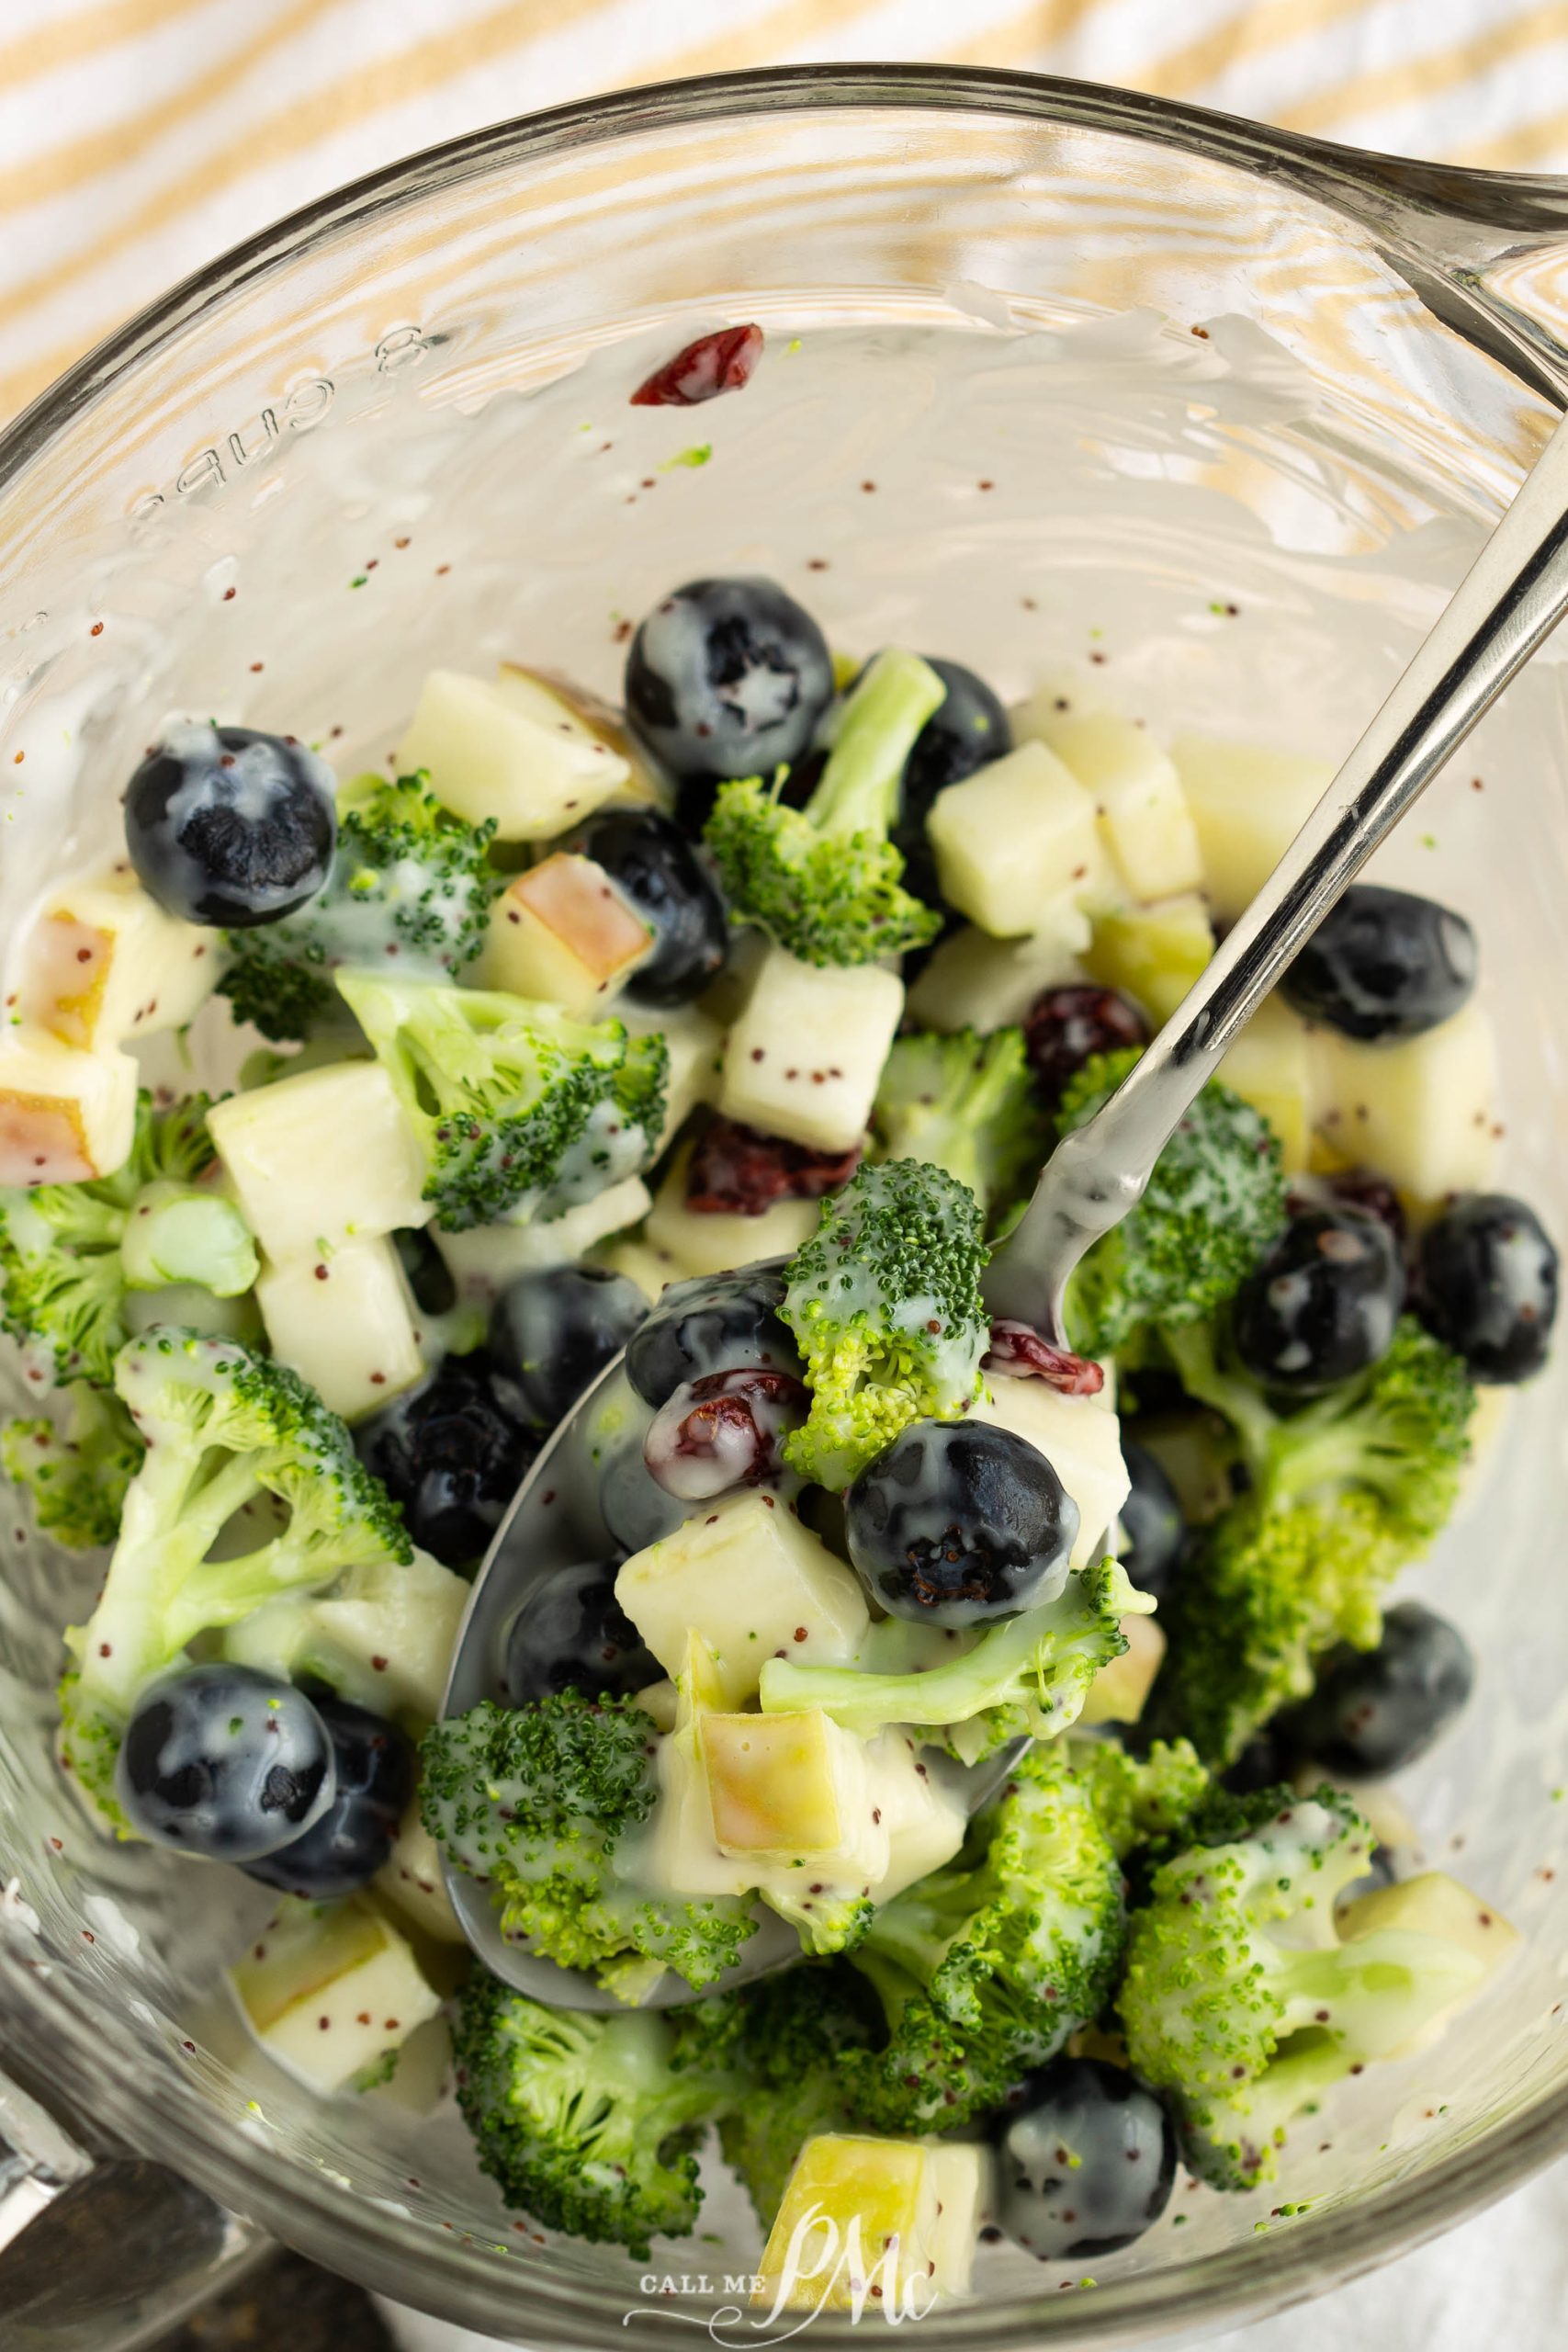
112 2081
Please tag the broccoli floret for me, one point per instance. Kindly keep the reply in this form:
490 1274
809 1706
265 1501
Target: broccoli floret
884 1303
519 1109
537 1802
985 1968
224 1427
1026 1677
1137 1799
1239 1998
966 1103
1346 1492
407 879
825 881
69 1252
1215 1201
77 1477
584 2121
787 2036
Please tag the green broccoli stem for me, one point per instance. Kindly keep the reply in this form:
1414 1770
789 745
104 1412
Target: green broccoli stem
178 1233
887 710
1194 1351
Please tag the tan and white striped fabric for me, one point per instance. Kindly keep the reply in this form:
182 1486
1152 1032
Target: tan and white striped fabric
138 138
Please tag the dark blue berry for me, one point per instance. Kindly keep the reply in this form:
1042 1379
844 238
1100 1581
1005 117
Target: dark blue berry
227 826
1373 1712
654 866
1383 964
348 1843
957 1523
712 1323
1084 2161
1488 1286
451 1454
224 1762
635 1507
1152 1524
727 678
1323 1303
571 1634
552 1331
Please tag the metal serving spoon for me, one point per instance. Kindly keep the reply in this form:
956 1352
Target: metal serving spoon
1507 603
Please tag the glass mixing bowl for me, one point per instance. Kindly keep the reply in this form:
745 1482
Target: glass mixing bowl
1053 375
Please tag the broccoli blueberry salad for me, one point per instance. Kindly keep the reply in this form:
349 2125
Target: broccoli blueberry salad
731 1032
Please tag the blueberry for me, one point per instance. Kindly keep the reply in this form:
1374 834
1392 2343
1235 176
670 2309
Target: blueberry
552 1331
227 826
346 1845
1374 1712
1151 1522
1486 1284
654 866
634 1507
224 1762
965 731
571 1634
727 678
451 1455
1382 965
1323 1303
1066 1027
1264 1763
958 1522
712 1323
1085 2160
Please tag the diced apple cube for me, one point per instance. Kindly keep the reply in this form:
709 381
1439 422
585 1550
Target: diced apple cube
1119 1690
1423 1112
485 1258
382 1634
922 1814
607 722
412 1881
652 1269
1144 821
1082 1441
563 934
753 1583
1432 1906
104 963
1151 954
974 981
871 2224
709 1241
779 1785
1270 1066
327 1988
1248 803
65 1116
345 1322
326 1157
804 1057
1013 837
514 751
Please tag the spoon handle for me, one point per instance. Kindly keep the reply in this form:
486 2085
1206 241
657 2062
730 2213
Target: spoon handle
1512 597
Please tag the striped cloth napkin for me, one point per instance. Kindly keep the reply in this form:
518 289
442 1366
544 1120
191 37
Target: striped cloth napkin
139 137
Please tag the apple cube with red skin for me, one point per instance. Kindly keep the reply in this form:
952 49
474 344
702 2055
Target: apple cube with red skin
65 1116
563 934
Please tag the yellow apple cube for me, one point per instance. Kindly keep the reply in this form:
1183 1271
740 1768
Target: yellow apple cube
805 1055
974 981
1270 1066
1118 1693
775 1783
326 1157
1144 821
871 2224
1425 1112
1248 803
1013 837
563 934
104 963
328 1988
65 1116
514 750
753 1583
345 1323
1152 954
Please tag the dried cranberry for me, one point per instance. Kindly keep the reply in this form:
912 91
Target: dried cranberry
1362 1189
1067 1027
737 1171
723 1430
714 364
1019 1350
